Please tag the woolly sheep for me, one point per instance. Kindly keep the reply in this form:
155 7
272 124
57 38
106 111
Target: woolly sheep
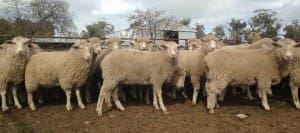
138 67
13 58
245 67
67 69
293 70
254 36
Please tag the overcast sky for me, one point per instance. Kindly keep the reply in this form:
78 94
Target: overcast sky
207 12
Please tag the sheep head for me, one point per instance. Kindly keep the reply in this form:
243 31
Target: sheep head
141 43
85 50
170 47
193 44
286 48
21 44
95 42
114 43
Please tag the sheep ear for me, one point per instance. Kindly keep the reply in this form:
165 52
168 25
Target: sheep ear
163 46
132 44
76 46
297 44
8 41
275 44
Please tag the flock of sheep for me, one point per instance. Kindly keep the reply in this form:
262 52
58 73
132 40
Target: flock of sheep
263 62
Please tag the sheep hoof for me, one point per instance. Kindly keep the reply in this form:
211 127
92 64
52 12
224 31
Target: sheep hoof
99 113
156 107
18 106
217 106
82 106
32 107
122 109
69 108
166 112
148 102
211 111
5 109
267 109
194 103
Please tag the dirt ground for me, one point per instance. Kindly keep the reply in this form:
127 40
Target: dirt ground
140 117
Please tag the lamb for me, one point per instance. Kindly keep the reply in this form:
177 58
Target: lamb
13 58
67 69
245 67
139 70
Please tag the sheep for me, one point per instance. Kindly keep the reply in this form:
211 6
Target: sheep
143 43
14 55
67 69
245 67
293 70
138 67
95 43
193 44
253 36
259 44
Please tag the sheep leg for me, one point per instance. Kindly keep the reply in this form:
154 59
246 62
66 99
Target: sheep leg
211 102
88 98
264 101
133 92
158 92
79 100
116 99
222 96
174 91
196 86
68 97
234 91
122 95
30 100
16 101
9 98
3 99
249 94
147 95
140 92
156 107
105 89
294 90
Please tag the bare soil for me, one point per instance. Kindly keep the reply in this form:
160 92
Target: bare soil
140 117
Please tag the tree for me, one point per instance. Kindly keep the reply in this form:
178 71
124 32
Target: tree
99 29
185 21
236 28
38 17
200 30
152 22
293 30
219 31
265 23
53 11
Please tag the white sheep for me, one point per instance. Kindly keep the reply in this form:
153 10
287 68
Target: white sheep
67 69
138 67
13 58
245 67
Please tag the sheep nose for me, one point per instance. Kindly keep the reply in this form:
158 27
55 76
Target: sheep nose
20 52
288 56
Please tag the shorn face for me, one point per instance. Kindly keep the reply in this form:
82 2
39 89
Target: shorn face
22 45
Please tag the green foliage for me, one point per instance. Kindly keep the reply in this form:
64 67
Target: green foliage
99 29
293 30
185 21
236 28
219 31
200 30
265 23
